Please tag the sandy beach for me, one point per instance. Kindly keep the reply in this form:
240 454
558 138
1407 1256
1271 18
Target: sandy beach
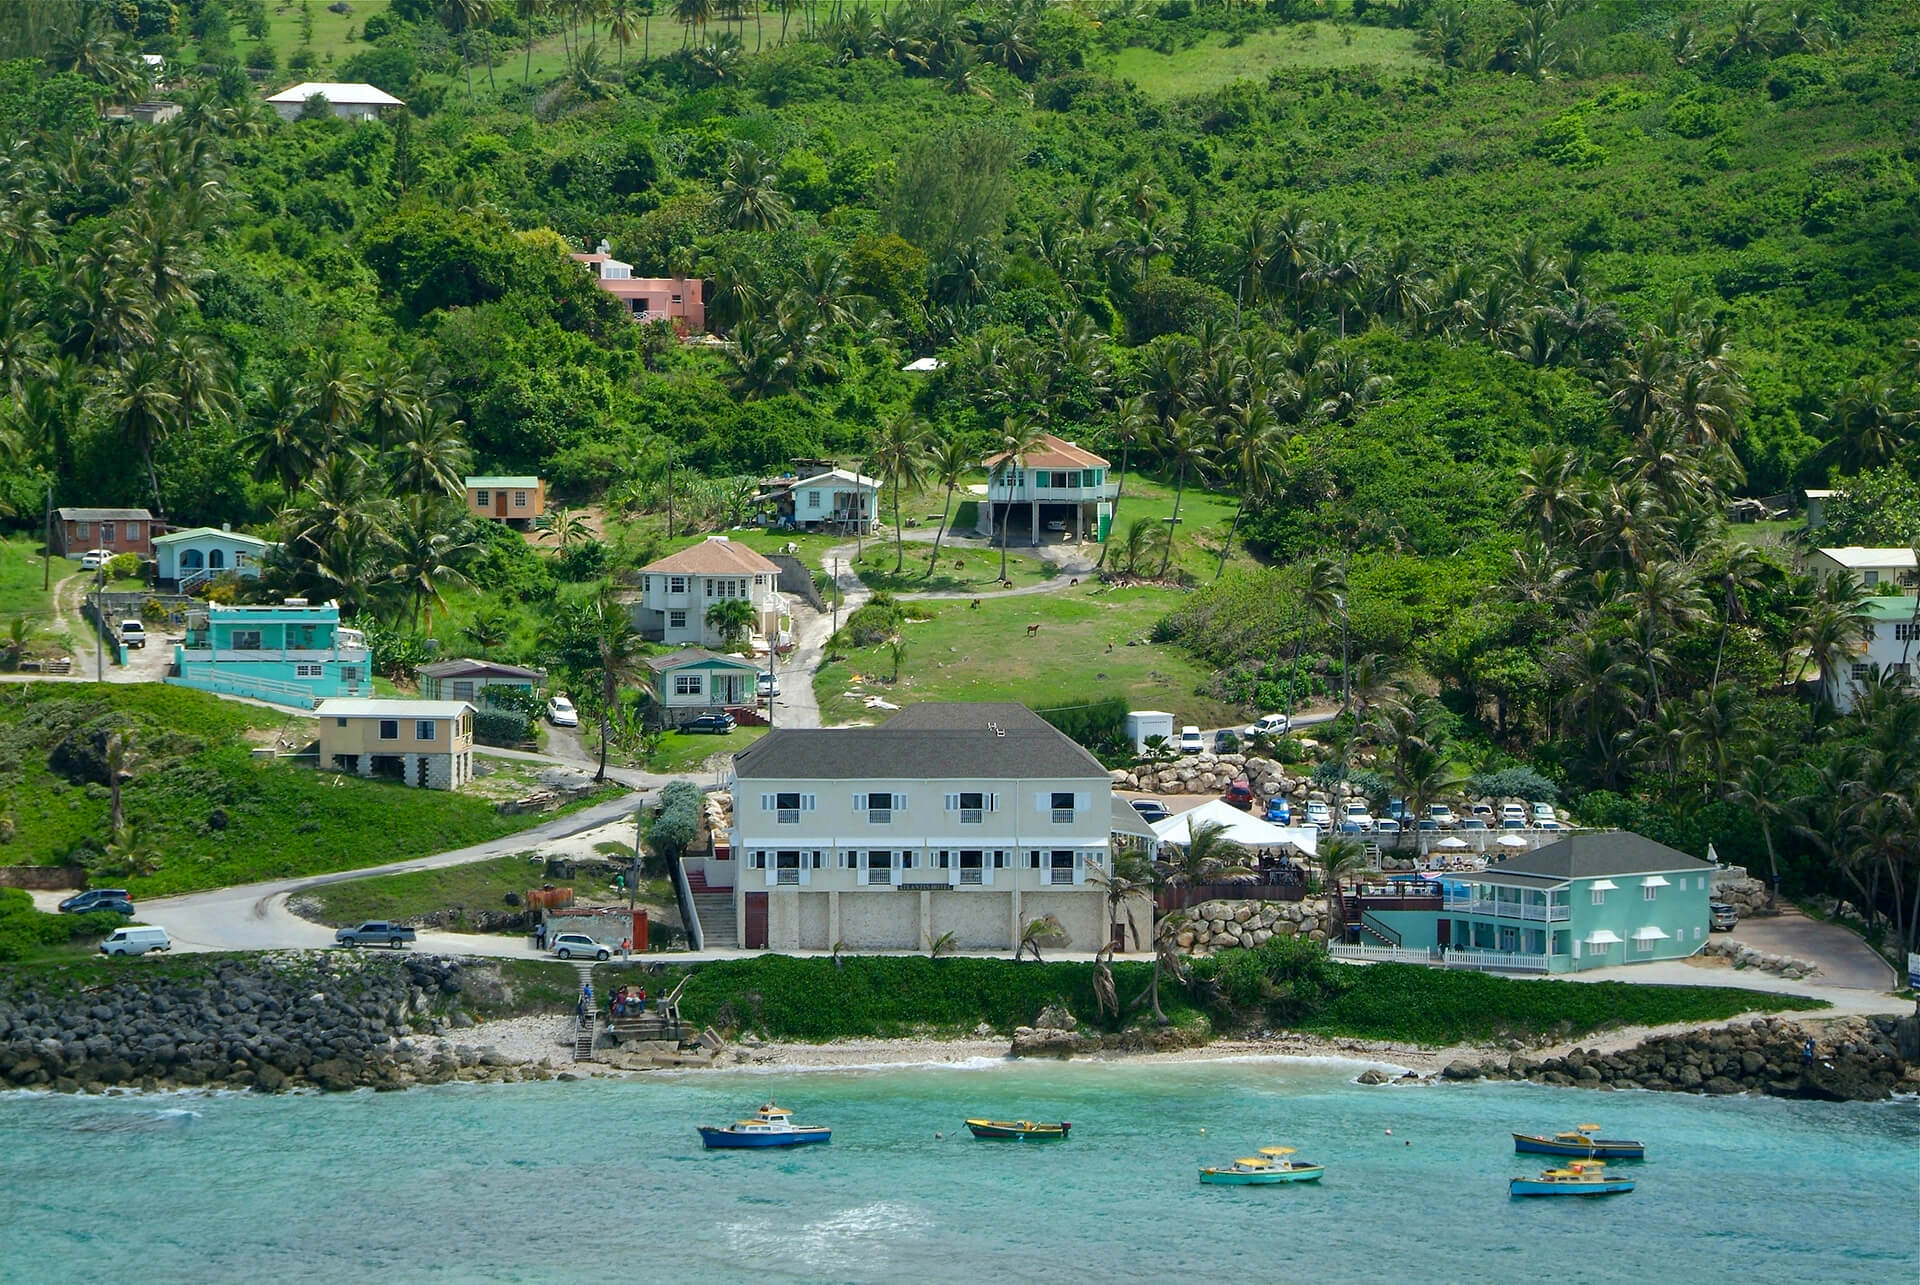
531 1040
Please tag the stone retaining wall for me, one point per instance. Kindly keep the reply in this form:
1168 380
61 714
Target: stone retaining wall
1226 925
1744 956
43 878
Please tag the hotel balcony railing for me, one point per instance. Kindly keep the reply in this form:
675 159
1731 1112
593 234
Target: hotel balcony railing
1510 909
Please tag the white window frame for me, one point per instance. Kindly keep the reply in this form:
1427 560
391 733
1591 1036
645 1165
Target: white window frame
481 496
688 685
519 499
309 671
1599 896
676 584
1649 893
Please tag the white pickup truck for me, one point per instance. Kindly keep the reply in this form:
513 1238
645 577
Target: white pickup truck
133 634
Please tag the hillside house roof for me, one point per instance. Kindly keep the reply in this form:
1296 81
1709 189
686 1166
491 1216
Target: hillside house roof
835 475
467 667
1054 452
1597 856
104 515
347 94
202 532
1856 558
346 708
714 556
696 656
501 483
986 741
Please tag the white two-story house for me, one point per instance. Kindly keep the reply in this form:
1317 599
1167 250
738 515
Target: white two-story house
969 819
1059 487
677 590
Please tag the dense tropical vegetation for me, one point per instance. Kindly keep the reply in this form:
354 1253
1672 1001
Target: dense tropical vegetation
1485 343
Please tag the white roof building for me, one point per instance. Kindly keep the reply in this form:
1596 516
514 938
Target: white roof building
1871 567
349 101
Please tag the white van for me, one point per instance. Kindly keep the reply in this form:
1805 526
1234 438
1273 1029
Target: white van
136 940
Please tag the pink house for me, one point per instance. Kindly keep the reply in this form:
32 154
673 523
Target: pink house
676 299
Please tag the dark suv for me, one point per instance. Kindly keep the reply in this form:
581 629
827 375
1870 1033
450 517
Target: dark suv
720 724
98 899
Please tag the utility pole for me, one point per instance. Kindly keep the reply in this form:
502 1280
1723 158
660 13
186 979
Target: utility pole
46 530
633 883
99 624
834 588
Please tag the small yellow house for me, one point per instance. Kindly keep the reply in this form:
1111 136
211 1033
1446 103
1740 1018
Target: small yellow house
516 501
420 743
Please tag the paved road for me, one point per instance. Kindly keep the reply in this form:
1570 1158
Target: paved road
1844 959
255 916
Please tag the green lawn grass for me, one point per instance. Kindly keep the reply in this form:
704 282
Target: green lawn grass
330 43
964 653
465 890
208 813
21 569
1206 66
962 569
1202 529
689 751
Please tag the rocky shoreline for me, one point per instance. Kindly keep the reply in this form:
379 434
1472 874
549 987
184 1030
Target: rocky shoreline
338 1022
1853 1059
334 1022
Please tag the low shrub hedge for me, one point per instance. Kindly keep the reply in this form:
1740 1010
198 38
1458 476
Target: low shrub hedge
24 929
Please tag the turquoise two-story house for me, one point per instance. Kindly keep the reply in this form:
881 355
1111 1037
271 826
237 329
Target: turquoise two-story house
289 654
1589 901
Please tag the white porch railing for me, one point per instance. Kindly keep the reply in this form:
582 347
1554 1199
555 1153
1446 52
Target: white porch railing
1496 961
1508 909
1380 954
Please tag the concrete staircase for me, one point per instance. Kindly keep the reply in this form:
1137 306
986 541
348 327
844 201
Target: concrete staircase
719 925
585 1028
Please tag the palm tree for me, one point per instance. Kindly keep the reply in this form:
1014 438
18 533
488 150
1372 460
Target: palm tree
1207 856
749 200
334 391
948 466
732 618
1337 858
1018 439
1183 447
1145 537
527 11
432 456
1319 598
1866 426
1253 456
122 756
1740 574
897 652
565 526
897 455
621 24
1552 497
1132 424
281 445
1132 878
143 405
616 660
427 546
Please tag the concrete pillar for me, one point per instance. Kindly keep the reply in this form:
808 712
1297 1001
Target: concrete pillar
833 918
926 917
1033 522
1013 920
363 764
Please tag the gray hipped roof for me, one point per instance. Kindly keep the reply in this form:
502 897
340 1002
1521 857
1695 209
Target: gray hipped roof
467 667
1598 856
988 741
104 515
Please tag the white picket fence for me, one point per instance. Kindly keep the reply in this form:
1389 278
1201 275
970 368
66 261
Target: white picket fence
1490 961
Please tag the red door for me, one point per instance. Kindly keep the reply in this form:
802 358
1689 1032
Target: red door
499 504
756 921
1445 932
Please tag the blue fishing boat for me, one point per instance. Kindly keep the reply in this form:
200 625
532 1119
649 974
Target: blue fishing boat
1580 1143
1581 1178
1269 1167
770 1126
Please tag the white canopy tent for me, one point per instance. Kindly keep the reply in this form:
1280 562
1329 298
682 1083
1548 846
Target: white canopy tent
1243 828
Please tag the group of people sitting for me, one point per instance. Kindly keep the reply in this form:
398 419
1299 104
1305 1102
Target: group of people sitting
629 1001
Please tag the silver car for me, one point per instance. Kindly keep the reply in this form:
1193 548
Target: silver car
568 945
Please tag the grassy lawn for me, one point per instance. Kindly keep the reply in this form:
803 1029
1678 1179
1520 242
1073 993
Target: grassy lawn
330 43
688 751
21 569
1211 63
963 569
203 811
965 653
469 891
1204 519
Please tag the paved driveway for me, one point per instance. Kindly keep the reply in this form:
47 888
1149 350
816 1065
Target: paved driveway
1843 958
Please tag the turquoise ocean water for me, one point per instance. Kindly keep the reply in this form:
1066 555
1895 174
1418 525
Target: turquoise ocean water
606 1181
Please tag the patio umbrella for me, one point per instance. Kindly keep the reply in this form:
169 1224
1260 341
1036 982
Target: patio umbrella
1452 844
1511 841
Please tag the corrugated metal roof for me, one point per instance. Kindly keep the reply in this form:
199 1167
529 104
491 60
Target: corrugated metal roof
343 707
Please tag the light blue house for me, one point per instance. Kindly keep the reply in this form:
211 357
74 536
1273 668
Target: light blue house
185 558
1589 901
290 654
